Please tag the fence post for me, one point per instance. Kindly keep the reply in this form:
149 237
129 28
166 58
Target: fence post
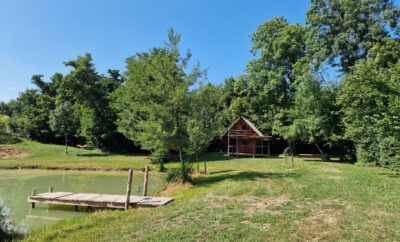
146 177
33 194
128 189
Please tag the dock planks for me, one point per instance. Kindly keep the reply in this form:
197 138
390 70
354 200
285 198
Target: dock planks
97 200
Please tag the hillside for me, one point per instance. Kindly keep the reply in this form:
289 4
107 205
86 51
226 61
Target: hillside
49 156
255 200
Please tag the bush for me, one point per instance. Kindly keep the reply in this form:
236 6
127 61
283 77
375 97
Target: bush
181 174
5 136
8 231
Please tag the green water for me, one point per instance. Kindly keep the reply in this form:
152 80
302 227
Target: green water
16 186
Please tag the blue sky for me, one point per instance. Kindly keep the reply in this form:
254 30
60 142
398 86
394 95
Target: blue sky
36 36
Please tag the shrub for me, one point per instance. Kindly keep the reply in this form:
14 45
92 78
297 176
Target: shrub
5 136
8 231
181 174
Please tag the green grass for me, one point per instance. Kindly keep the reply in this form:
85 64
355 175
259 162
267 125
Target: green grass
47 156
255 200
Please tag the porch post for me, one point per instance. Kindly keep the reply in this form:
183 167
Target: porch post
237 146
262 146
228 145
254 145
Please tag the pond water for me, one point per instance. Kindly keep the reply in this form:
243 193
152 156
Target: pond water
16 186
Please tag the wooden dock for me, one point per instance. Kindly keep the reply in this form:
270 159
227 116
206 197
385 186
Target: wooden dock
101 200
97 200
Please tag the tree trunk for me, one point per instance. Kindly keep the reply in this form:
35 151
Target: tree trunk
205 167
291 145
180 156
198 165
324 157
66 144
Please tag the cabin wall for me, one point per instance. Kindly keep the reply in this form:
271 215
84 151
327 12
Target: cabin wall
241 125
247 146
244 139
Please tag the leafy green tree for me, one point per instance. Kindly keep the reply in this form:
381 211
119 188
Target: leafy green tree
153 105
369 97
90 93
3 131
30 115
269 83
205 122
344 31
313 117
5 109
63 122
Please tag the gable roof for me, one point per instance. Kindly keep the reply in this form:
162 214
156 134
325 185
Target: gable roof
252 126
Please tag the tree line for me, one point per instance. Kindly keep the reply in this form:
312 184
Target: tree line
164 104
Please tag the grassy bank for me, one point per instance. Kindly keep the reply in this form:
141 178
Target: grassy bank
47 156
256 200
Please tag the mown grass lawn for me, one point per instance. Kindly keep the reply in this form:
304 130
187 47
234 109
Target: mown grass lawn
48 156
262 199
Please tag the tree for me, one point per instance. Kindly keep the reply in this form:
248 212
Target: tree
63 122
5 109
152 106
314 116
90 93
205 122
269 83
3 130
30 115
344 31
369 97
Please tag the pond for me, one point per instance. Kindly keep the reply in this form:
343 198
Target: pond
17 185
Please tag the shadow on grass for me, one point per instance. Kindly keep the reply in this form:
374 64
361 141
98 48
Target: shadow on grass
95 155
209 157
243 176
109 154
218 172
217 156
326 161
390 174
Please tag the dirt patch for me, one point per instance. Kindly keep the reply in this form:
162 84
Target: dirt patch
320 225
335 177
256 225
9 152
175 187
261 205
331 170
322 222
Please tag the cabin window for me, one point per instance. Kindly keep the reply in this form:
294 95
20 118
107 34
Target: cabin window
245 142
244 127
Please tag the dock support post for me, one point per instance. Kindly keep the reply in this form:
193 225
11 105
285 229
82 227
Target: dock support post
51 189
146 177
33 194
128 189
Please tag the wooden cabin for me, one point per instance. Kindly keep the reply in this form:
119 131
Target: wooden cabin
244 139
